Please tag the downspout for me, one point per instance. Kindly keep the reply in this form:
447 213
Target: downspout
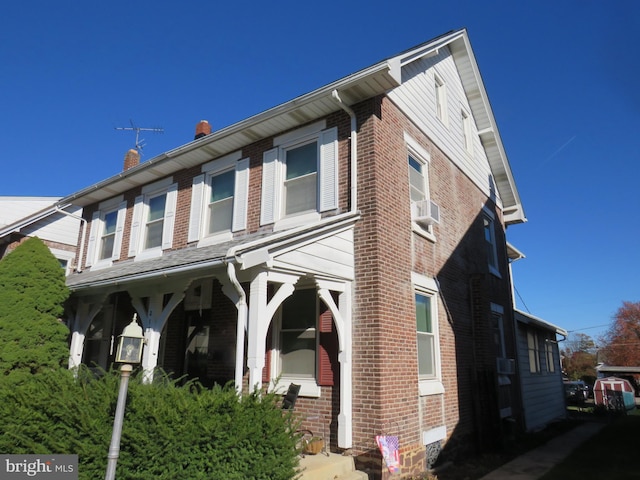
242 319
84 233
354 150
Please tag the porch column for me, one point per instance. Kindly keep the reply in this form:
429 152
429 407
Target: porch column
153 321
342 318
233 290
257 334
86 312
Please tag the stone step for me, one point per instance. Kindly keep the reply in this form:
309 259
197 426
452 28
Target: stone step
331 466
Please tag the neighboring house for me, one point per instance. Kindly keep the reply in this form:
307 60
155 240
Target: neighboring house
543 395
351 241
57 225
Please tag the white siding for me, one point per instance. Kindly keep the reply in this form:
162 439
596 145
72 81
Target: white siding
56 227
416 98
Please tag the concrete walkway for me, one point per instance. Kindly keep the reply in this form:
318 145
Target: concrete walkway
534 464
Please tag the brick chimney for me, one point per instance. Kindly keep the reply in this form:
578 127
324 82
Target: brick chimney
203 128
131 159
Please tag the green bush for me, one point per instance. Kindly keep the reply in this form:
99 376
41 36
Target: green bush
32 294
170 431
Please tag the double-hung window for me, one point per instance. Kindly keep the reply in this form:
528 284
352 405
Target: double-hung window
299 176
467 131
105 234
534 351
428 345
549 347
219 198
424 212
489 232
153 219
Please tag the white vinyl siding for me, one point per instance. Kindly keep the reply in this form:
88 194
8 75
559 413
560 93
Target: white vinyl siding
416 97
299 175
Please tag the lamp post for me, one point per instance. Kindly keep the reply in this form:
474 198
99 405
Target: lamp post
129 352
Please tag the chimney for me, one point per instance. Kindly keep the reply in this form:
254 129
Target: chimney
131 159
203 128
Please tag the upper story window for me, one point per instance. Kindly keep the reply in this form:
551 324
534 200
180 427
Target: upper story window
488 225
467 131
549 347
219 198
441 99
299 176
428 343
153 219
424 212
105 234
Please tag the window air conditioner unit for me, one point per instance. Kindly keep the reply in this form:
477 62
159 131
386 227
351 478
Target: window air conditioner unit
506 366
425 212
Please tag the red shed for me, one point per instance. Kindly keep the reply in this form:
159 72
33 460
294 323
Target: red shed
614 393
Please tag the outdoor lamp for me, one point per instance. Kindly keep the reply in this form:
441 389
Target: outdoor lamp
130 343
129 352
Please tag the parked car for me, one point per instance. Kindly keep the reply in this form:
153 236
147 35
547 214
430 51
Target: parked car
576 391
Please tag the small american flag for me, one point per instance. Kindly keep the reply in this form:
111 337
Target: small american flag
390 448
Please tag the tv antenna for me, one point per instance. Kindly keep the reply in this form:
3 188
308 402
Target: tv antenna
134 128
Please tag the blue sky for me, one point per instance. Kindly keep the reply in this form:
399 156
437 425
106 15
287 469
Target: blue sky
561 76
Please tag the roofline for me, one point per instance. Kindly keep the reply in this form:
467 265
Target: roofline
376 79
539 322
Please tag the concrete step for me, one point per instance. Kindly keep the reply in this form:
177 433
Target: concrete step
331 466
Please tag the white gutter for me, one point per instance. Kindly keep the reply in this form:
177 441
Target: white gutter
354 150
84 233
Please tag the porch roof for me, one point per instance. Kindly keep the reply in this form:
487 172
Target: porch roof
189 261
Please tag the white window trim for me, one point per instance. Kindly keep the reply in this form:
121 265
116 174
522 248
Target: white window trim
273 172
428 286
467 130
308 386
441 97
201 192
493 269
423 156
140 211
97 226
64 255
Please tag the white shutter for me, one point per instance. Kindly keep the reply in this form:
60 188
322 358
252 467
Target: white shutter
134 238
329 169
91 248
117 242
241 196
195 217
169 216
270 187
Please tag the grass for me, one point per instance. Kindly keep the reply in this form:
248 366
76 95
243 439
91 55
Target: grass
610 454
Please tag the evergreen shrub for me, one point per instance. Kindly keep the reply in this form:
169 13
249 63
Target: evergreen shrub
170 431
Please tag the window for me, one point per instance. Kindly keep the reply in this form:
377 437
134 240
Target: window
498 330
220 202
107 240
426 338
153 219
219 199
105 234
428 345
549 354
534 352
298 335
441 99
467 131
424 212
490 241
300 184
299 176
